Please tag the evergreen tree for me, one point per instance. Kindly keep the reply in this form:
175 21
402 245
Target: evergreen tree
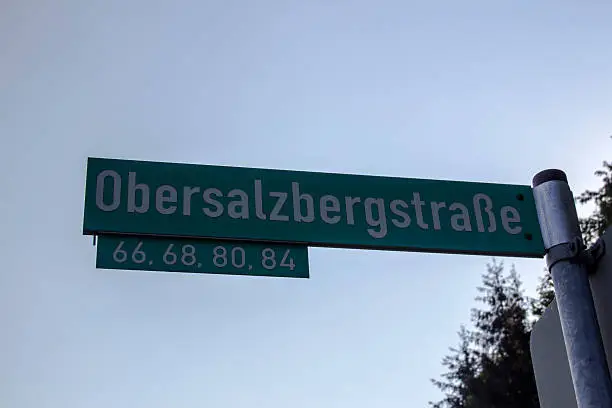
492 367
593 226
457 383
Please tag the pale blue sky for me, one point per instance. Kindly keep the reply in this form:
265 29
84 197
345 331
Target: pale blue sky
470 90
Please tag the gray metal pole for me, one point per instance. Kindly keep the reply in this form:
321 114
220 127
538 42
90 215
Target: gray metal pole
560 230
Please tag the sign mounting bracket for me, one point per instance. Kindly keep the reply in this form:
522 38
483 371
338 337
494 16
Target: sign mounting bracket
576 252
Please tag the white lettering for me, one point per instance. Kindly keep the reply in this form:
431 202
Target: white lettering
487 208
329 203
275 215
187 193
378 216
259 212
161 199
238 208
507 219
297 204
208 199
395 204
418 208
350 202
464 217
144 193
100 190
381 221
435 213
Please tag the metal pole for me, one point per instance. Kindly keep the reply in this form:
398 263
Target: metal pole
561 232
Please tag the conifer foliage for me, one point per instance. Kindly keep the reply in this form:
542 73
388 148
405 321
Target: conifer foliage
492 365
594 225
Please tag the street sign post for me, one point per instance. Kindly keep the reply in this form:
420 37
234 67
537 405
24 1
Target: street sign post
315 209
202 256
548 353
568 263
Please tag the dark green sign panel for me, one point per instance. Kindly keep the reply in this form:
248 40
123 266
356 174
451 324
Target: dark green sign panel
316 209
202 256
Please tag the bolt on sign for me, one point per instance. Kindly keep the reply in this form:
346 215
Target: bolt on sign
309 208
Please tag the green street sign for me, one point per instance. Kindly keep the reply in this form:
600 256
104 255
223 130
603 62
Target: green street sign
315 209
201 256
